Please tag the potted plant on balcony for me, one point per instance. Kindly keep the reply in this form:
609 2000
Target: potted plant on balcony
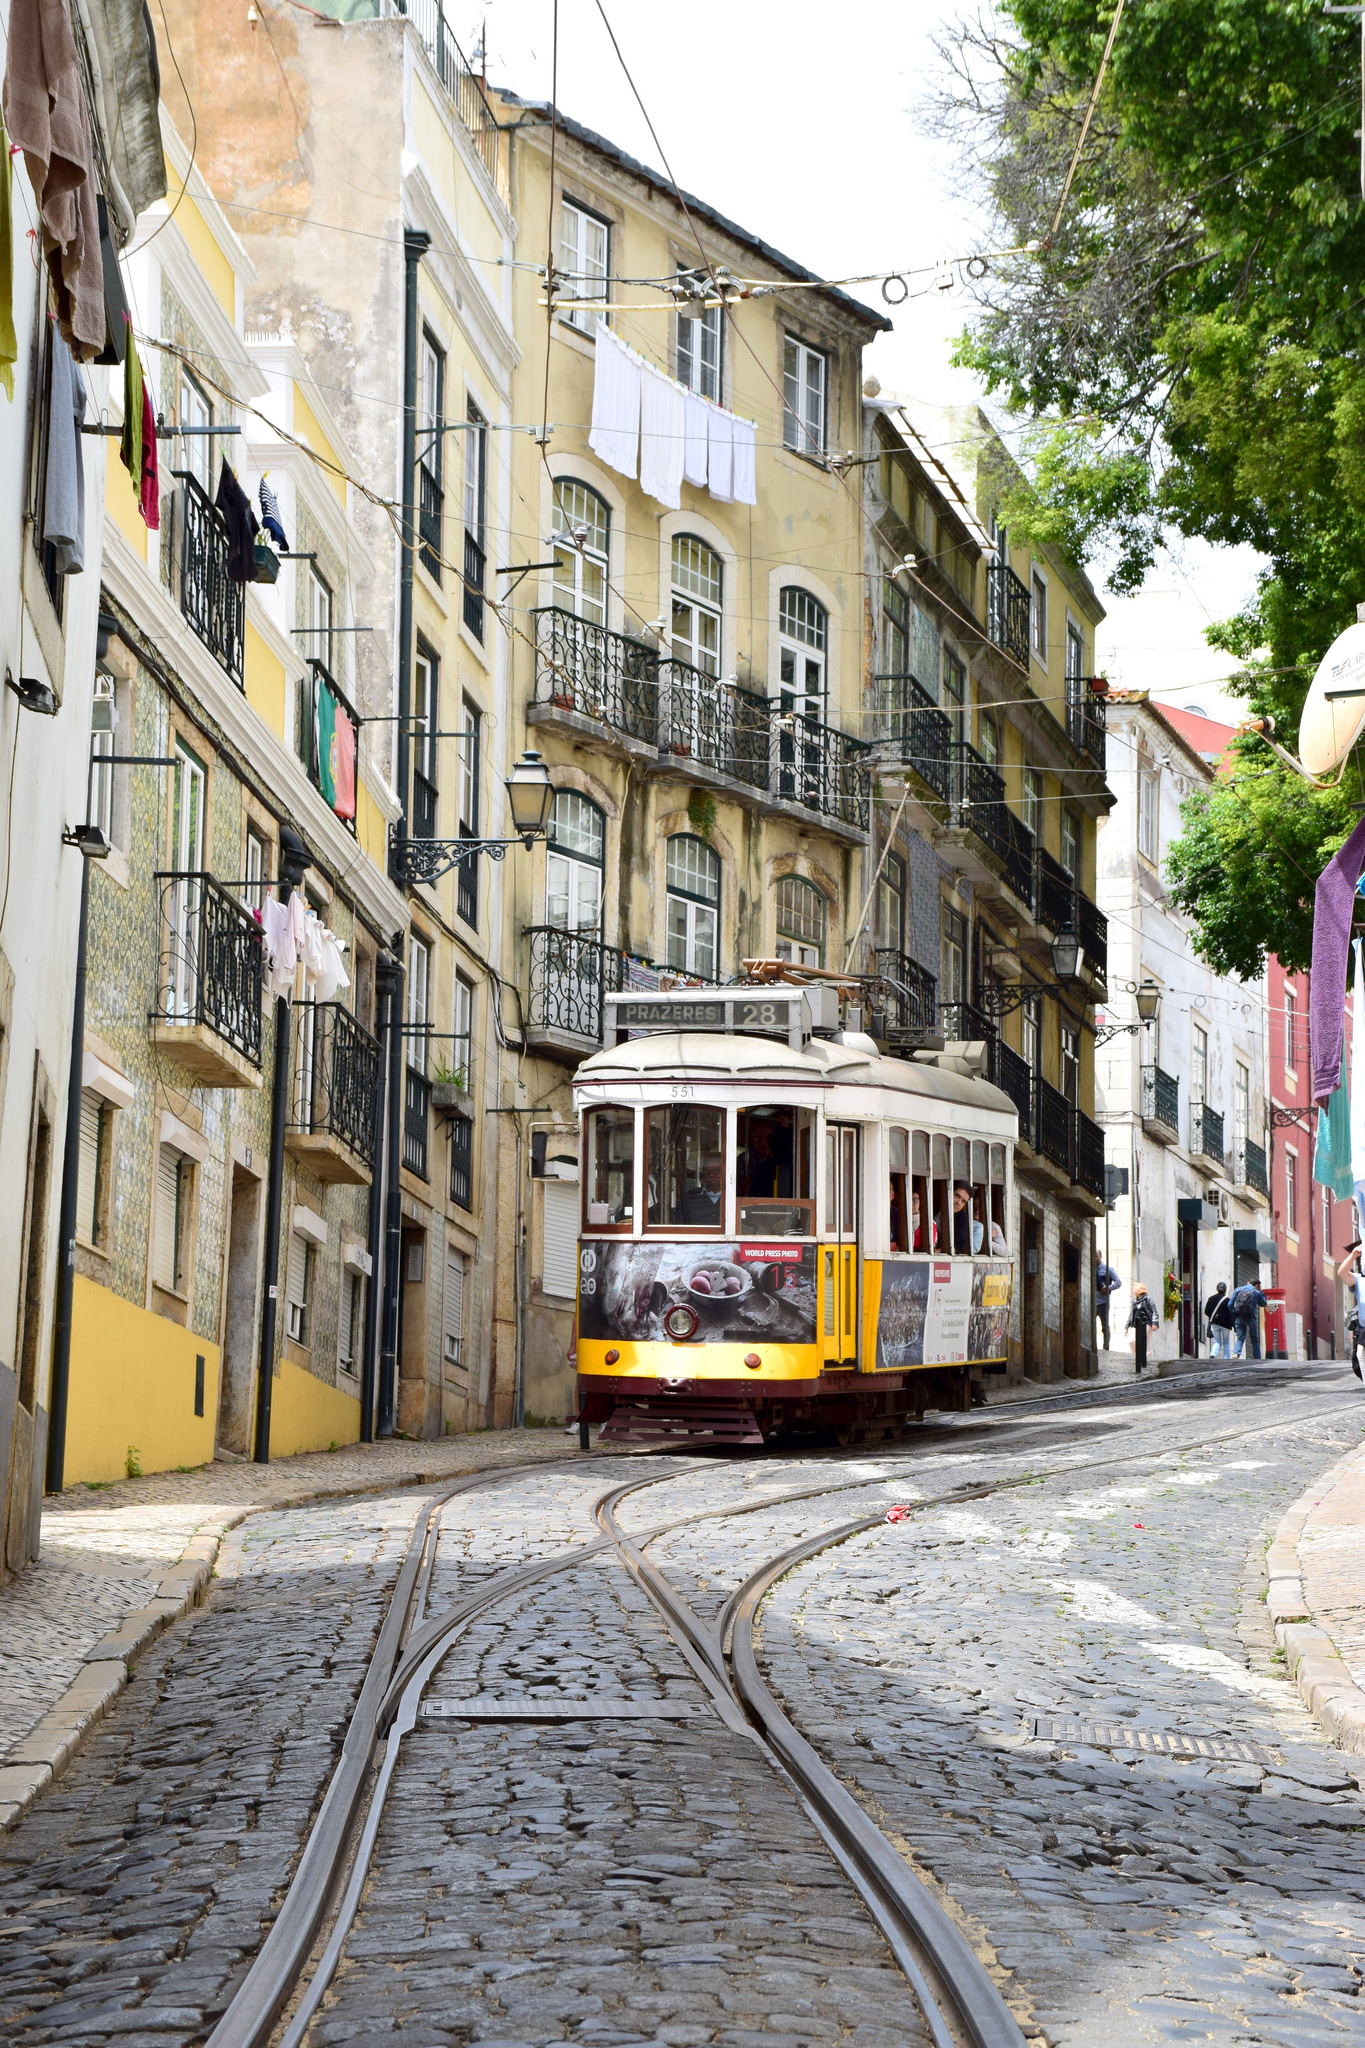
450 1088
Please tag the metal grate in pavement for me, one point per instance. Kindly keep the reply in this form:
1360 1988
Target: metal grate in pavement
485 1706
1152 1741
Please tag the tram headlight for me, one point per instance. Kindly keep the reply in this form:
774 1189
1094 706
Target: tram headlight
680 1322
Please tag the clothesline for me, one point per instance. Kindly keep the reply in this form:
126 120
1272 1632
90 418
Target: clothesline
294 936
647 424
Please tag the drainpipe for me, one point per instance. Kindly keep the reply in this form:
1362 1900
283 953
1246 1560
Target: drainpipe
387 975
393 1227
295 860
416 242
66 1221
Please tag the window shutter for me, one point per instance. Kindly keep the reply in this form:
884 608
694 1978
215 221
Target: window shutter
350 1315
559 1266
454 1306
166 1253
88 1178
296 1287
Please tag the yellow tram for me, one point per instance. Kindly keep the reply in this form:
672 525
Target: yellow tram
783 1229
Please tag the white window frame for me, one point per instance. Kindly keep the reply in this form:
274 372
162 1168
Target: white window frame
1199 1065
585 260
805 397
462 1030
1037 614
91 1218
691 917
697 600
1033 801
1291 1191
419 1003
299 1297
1291 1022
184 1197
798 939
700 342
350 1318
577 564
803 651
452 1340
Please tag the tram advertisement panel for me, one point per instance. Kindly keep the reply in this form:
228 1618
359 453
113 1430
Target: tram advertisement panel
942 1312
739 1292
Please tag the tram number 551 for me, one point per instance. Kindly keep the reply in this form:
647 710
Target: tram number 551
758 1016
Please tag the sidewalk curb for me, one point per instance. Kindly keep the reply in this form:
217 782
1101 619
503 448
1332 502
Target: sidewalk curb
40 1757
1325 1686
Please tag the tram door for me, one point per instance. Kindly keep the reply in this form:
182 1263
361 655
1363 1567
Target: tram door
840 1249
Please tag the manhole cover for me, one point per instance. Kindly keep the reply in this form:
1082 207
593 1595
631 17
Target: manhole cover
1152 1741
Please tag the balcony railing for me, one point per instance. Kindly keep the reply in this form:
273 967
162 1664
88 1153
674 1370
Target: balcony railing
416 1122
917 730
462 1161
979 798
1055 1121
1007 611
682 711
430 518
1019 860
905 993
1088 1168
1015 1076
467 883
1056 893
570 973
1093 926
1251 1167
964 1023
210 963
1085 720
464 87
1206 1132
336 1075
475 569
307 739
1161 1099
214 605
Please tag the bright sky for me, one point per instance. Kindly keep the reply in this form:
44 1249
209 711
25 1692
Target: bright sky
801 125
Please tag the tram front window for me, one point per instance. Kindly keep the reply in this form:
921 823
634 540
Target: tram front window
685 1161
610 1179
773 1154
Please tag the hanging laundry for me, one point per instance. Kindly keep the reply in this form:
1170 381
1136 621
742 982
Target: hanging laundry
283 925
46 113
116 315
310 951
121 45
64 496
1332 1153
615 434
1358 1074
149 496
270 515
662 417
720 457
130 442
695 411
1332 903
745 482
336 752
9 347
332 975
241 523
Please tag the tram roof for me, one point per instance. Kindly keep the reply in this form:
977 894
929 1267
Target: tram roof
698 1054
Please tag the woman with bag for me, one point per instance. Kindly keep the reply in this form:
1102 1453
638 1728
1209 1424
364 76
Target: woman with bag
1141 1318
1219 1317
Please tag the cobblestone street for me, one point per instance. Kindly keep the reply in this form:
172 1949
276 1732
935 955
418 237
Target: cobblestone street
614 1880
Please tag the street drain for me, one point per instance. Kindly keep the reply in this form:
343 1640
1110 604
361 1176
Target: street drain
1152 1741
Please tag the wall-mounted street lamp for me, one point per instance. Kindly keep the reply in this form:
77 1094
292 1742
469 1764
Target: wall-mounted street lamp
1067 954
1148 1000
529 796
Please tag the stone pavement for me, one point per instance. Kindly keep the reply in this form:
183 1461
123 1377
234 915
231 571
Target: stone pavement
120 1562
1316 1570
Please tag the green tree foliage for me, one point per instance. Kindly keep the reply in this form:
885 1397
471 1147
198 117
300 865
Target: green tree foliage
1189 352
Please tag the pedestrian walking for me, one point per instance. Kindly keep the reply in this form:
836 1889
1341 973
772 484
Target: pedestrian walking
1350 1275
1218 1316
1141 1318
1107 1282
1246 1303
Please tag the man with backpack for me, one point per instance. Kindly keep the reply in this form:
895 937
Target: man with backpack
1246 1303
1218 1316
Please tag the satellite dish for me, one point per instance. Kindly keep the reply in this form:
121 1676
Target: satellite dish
1334 709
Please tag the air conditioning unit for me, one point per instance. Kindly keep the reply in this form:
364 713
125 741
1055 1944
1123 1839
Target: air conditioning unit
1224 1206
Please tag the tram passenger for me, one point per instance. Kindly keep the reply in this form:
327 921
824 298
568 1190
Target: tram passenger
999 1248
917 1238
767 1172
967 1232
701 1206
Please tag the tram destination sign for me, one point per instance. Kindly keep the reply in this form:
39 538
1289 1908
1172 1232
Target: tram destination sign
791 1013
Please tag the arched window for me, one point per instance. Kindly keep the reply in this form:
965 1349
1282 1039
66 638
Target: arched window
580 580
803 637
802 922
574 863
692 882
696 603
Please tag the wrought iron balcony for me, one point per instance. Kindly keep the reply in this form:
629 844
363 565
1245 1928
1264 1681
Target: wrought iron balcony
475 569
1015 1077
464 87
1019 862
307 740
1055 1125
462 1161
1251 1167
681 710
1093 926
1085 720
1206 1133
467 883
1088 1167
964 1023
416 1122
910 725
978 798
1008 611
209 978
332 1104
430 520
214 605
1161 1101
906 995
1056 893
570 973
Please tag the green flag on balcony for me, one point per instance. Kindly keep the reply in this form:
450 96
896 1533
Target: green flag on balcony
327 725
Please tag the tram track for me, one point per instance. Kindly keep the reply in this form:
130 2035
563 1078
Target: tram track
960 2001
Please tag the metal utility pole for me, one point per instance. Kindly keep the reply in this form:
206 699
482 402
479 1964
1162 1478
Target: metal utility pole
393 1218
295 860
388 975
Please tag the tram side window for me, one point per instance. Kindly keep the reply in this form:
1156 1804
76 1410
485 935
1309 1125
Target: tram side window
941 1206
685 1162
960 1242
898 1164
1000 1242
609 1184
981 1195
774 1148
923 1230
